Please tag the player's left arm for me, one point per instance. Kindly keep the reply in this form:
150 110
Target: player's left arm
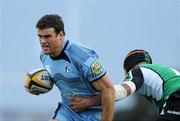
79 104
133 82
106 88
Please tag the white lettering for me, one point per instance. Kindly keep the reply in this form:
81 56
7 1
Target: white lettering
173 112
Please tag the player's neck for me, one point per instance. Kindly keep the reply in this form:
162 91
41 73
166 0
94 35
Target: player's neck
59 49
139 64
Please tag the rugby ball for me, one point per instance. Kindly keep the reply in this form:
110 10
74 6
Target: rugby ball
38 81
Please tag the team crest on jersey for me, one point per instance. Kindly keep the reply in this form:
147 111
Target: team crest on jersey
68 68
96 68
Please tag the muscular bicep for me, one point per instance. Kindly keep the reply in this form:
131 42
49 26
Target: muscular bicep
102 83
105 86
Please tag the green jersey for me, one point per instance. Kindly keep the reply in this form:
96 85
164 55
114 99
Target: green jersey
159 82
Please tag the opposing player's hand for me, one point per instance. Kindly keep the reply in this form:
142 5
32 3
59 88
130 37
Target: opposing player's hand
34 91
79 104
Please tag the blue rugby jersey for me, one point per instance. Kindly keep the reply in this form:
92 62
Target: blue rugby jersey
74 70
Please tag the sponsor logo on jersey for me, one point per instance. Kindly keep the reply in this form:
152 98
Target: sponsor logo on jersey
174 112
96 68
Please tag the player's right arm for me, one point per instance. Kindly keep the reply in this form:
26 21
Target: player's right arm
133 81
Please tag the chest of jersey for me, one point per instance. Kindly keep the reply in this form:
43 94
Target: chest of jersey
62 71
67 78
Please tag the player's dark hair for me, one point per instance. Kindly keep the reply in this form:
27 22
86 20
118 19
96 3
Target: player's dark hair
51 20
134 57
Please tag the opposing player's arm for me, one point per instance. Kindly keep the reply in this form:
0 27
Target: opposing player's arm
132 83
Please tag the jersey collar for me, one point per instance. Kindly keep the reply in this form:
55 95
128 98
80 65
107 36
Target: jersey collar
62 55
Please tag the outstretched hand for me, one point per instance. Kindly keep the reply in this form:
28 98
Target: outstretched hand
79 104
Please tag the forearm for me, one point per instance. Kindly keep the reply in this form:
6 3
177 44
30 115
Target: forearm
133 83
108 102
123 90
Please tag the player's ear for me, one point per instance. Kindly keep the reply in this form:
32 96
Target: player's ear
61 34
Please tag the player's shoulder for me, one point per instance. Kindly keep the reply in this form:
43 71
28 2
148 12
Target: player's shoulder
80 52
154 67
135 72
153 70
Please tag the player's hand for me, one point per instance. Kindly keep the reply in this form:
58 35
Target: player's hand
79 104
34 91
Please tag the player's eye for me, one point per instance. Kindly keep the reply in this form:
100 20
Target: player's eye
46 36
39 36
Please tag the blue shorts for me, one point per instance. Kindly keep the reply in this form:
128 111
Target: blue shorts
65 113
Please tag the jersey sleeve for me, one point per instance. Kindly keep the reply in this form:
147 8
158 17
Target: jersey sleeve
94 69
86 62
136 76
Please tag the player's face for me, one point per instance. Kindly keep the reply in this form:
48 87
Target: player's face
50 41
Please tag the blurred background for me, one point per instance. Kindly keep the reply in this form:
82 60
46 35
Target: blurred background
111 27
